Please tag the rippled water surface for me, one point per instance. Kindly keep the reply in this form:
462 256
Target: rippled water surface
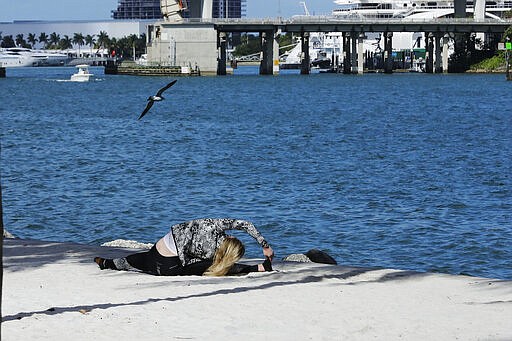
406 171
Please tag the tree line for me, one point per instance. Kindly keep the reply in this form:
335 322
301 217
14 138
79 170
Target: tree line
123 46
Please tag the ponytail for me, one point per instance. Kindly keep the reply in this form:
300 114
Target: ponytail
228 253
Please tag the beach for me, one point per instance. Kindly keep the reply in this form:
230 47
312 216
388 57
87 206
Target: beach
54 291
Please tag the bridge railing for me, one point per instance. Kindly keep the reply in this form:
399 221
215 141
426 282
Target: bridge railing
334 19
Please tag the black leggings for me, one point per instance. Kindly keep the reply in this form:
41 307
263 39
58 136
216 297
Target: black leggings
154 263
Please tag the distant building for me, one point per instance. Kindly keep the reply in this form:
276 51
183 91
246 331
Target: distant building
137 9
150 9
229 8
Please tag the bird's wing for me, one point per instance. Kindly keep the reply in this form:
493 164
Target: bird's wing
148 106
161 91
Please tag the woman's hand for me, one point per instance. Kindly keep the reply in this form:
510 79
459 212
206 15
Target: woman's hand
268 252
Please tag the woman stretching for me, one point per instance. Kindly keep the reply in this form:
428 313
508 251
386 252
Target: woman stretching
197 247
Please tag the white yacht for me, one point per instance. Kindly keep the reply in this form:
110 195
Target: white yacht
323 47
417 10
51 58
18 57
21 56
82 75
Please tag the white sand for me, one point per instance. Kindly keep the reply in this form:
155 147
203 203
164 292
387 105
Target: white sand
54 291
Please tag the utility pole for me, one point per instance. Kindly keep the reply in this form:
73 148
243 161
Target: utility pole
508 47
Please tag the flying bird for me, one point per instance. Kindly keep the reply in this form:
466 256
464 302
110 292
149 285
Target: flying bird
156 98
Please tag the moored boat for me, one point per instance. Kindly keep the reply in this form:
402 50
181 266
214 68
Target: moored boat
21 56
18 57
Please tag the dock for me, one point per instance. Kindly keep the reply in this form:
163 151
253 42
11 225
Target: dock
134 69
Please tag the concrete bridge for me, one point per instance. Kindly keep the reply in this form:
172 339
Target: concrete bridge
203 41
437 32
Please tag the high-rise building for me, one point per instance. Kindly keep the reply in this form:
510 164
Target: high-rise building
229 8
137 9
150 9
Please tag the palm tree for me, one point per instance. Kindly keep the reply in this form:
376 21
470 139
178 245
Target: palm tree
103 40
20 41
89 40
54 39
65 43
140 44
43 38
114 46
32 39
508 33
78 39
7 41
132 40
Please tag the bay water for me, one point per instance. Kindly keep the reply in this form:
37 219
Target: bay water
408 171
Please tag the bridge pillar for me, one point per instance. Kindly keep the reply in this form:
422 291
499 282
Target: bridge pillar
388 52
360 53
437 42
304 60
275 52
353 55
346 53
459 57
221 53
446 39
267 51
429 53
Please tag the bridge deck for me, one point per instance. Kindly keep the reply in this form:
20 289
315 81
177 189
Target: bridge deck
333 24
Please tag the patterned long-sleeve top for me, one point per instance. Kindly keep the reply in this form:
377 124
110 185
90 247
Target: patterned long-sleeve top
198 239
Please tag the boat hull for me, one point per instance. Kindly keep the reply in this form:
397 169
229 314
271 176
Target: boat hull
80 78
9 61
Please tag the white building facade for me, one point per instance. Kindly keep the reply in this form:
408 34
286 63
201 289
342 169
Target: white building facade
114 28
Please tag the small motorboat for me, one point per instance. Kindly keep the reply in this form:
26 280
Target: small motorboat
82 75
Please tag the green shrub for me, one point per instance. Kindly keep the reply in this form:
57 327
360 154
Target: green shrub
492 63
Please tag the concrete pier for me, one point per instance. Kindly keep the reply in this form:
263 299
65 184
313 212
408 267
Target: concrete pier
353 55
185 44
221 50
446 39
360 53
346 53
131 68
388 52
429 53
437 57
275 52
267 52
305 59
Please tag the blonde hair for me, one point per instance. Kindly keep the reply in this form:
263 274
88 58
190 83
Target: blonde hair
230 251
